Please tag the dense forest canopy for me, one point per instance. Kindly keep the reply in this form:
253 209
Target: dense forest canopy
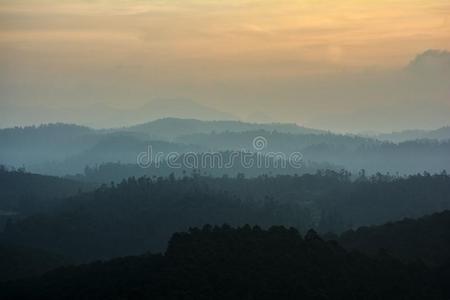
140 214
23 194
242 263
426 239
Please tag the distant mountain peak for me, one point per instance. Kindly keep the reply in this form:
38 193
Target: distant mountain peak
182 108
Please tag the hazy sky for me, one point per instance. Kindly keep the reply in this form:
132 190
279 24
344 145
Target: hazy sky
342 65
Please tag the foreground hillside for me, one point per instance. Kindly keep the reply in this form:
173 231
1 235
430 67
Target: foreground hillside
242 263
22 262
141 214
426 239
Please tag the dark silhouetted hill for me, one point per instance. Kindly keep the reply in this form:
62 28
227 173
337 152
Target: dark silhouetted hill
22 262
241 263
426 239
25 193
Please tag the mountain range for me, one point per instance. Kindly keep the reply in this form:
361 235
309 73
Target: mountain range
61 149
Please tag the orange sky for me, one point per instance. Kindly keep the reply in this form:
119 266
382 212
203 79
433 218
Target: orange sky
179 47
327 34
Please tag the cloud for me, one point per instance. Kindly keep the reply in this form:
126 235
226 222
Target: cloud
431 61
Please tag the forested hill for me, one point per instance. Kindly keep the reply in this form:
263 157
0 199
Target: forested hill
61 149
25 193
140 214
442 133
352 152
242 263
426 239
53 142
170 128
23 262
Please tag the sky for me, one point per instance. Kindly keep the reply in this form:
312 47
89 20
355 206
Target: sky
348 65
